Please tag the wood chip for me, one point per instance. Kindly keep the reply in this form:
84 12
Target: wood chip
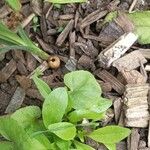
145 53
31 62
62 37
94 16
24 82
114 82
149 135
16 100
4 11
130 61
117 108
33 93
116 49
134 139
136 105
133 77
22 68
7 71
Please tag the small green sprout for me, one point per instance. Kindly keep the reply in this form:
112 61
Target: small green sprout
66 114
12 40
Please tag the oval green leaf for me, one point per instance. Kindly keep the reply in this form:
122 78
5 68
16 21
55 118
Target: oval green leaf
109 134
63 130
84 89
54 106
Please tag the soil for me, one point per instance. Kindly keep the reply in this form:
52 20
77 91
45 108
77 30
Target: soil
73 32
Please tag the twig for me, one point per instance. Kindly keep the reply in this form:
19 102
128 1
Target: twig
132 5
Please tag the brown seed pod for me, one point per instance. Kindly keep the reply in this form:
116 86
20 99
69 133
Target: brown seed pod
54 62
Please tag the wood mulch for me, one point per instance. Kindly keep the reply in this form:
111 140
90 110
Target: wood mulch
75 34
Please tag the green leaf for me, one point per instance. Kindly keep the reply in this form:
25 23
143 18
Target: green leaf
14 4
43 88
62 144
84 89
11 131
63 130
109 134
141 22
54 106
66 1
81 146
78 115
27 115
4 145
35 128
110 146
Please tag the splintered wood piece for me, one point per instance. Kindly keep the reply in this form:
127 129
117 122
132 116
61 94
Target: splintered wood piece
94 16
31 62
16 100
62 37
133 77
130 61
106 87
147 67
107 77
7 71
116 49
149 134
136 105
134 139
145 53
4 11
117 108
138 123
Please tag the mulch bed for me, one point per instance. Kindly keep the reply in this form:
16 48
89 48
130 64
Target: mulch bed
74 33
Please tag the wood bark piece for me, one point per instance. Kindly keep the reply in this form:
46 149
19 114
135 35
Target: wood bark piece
94 16
149 135
62 37
136 105
7 71
134 139
145 53
116 49
107 77
117 108
130 61
16 100
133 77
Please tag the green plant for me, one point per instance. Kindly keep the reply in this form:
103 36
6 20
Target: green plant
20 41
14 4
61 124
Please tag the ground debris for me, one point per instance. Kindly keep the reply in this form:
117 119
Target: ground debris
107 77
136 105
133 77
130 61
94 16
7 71
24 82
61 38
116 49
16 100
133 139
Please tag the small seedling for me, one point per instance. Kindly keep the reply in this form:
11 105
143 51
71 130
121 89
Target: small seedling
20 41
14 4
35 24
66 115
